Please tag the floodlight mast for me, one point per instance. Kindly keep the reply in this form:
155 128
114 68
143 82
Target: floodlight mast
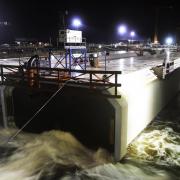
76 23
122 29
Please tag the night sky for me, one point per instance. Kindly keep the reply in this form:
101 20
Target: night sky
41 19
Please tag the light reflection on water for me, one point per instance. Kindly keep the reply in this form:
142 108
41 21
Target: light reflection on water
53 155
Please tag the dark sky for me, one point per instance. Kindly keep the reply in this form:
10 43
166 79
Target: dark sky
40 19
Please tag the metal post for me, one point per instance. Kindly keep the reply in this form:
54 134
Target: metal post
127 48
66 57
49 58
38 77
90 79
85 56
57 42
2 75
22 73
70 59
116 84
105 60
3 104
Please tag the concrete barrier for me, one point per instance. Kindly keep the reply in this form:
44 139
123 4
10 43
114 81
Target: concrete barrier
143 97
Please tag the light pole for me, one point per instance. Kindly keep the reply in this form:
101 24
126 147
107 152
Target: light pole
63 15
132 34
156 25
105 59
157 21
122 30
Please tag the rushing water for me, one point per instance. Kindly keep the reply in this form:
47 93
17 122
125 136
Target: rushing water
54 155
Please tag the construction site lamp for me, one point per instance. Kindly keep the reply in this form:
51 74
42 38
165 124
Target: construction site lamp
122 29
132 33
169 41
76 22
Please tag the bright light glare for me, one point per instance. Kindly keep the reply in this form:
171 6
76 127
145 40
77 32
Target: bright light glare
95 55
76 22
132 33
169 40
122 29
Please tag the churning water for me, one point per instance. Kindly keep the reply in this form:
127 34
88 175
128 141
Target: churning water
54 155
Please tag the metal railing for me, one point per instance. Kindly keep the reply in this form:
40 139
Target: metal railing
37 77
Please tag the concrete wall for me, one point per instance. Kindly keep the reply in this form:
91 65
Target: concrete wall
86 114
143 97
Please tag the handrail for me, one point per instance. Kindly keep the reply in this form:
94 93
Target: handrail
45 75
65 70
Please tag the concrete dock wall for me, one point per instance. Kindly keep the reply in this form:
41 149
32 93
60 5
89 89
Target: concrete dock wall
143 97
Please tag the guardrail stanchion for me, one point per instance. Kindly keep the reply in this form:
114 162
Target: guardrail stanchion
116 84
2 75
